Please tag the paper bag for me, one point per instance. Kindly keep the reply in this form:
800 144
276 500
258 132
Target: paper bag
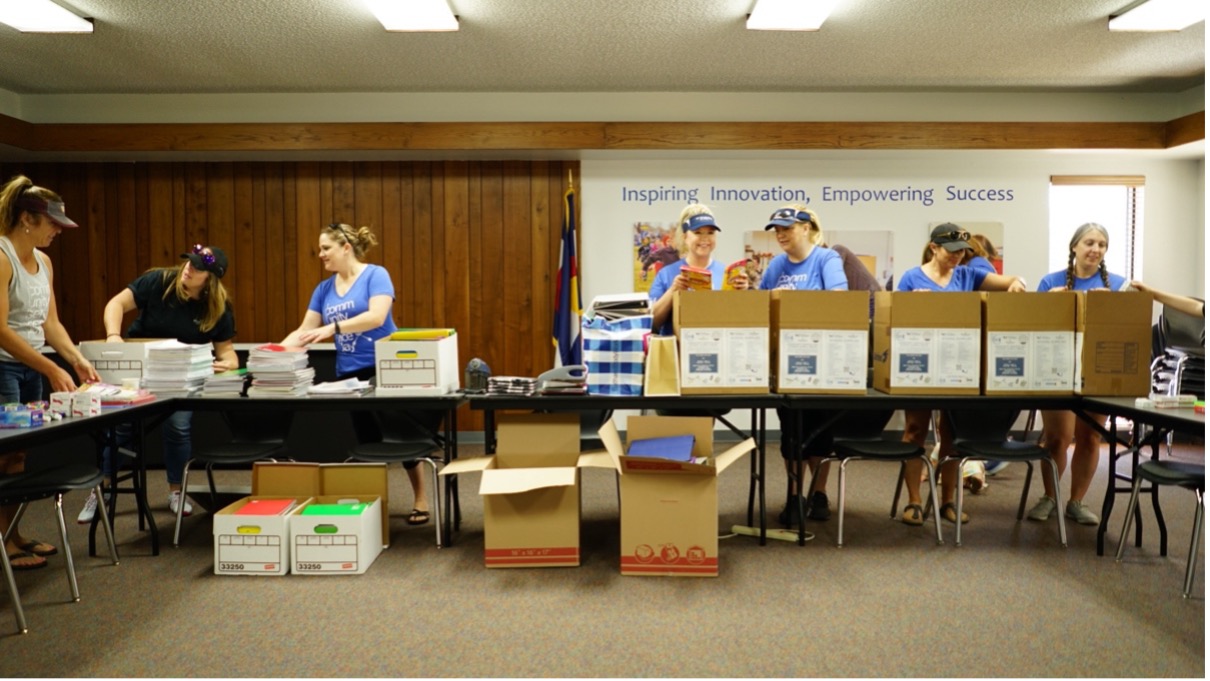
662 377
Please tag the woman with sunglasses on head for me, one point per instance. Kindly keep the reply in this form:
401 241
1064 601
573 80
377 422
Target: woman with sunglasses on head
353 309
695 241
189 303
948 245
805 264
1085 272
33 216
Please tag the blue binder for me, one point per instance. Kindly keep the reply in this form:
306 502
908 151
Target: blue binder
675 448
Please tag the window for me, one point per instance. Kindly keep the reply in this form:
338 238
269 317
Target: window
1113 201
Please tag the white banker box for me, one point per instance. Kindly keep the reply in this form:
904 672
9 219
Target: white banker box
417 367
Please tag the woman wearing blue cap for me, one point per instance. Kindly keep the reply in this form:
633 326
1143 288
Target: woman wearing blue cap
32 217
695 240
187 302
948 245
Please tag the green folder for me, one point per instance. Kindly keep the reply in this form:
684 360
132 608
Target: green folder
334 509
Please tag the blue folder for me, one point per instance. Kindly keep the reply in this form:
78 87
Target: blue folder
676 448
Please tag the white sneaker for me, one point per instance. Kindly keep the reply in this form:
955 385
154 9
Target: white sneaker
1042 509
89 510
174 500
1077 511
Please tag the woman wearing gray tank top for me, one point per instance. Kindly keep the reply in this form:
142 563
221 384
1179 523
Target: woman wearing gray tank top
31 219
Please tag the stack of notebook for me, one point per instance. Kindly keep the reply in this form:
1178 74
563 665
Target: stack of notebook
279 371
512 385
225 384
176 369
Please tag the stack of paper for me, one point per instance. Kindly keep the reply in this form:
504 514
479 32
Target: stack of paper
267 507
511 385
619 306
226 384
116 396
350 387
176 369
568 380
279 371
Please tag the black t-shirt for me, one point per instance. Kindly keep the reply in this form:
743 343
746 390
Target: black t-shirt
168 317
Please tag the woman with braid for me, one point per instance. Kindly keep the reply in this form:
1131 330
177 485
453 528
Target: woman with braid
1085 272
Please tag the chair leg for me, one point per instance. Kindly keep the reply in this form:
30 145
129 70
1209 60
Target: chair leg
1194 543
958 504
436 498
180 508
68 561
1059 510
899 483
1134 500
113 549
932 502
840 499
13 594
1029 476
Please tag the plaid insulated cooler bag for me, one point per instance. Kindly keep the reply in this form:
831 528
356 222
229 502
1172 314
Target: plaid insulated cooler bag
613 353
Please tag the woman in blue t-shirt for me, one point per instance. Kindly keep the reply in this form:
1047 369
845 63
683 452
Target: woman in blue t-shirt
1085 272
353 308
695 240
948 245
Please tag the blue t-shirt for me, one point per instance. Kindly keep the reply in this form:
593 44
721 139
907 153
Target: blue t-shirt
822 270
663 282
981 263
1059 280
354 351
963 279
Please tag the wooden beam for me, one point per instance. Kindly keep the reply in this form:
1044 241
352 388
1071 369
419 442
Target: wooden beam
1185 129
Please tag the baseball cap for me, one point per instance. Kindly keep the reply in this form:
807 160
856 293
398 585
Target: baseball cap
698 221
51 209
214 262
784 217
951 236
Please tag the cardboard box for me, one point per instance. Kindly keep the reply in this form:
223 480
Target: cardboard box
531 491
253 544
821 341
1029 343
326 479
1113 343
336 544
417 367
724 341
927 343
117 361
670 508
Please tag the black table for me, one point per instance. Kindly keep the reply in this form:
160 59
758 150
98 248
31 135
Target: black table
713 405
1184 421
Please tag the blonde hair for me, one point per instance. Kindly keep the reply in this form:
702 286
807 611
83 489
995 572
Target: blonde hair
814 230
678 239
8 200
361 239
214 294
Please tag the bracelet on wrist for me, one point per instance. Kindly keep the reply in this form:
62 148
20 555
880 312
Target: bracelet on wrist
336 326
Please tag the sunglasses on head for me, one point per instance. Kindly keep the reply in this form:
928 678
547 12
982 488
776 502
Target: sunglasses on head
207 256
792 214
341 228
956 235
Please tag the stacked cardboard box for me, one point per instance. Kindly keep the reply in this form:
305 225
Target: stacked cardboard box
927 343
821 341
1113 343
1029 343
724 341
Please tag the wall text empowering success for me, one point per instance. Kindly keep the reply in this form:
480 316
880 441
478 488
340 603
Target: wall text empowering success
827 194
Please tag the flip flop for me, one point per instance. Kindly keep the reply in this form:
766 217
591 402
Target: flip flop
418 517
33 545
21 555
913 514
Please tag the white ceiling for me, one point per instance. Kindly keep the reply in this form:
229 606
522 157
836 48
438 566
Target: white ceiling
311 46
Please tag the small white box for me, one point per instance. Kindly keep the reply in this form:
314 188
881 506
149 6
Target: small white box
253 544
85 404
417 367
325 544
60 403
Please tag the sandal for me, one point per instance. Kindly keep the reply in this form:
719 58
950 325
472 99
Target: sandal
36 547
418 517
913 514
950 513
23 555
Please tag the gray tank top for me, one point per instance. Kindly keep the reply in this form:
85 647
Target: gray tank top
28 299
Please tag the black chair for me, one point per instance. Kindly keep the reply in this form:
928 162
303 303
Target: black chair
1188 475
255 436
404 437
23 488
982 435
857 436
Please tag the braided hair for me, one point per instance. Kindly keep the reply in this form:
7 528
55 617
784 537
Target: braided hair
1071 253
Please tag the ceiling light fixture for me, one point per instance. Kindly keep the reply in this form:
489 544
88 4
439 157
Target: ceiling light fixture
789 15
1159 15
414 15
42 16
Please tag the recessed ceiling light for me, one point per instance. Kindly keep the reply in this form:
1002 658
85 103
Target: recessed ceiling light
41 16
414 15
1159 15
789 15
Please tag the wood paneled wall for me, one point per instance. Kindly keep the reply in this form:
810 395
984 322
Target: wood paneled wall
469 245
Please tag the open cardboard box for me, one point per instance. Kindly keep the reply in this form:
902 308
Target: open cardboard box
1113 343
670 508
531 491
1029 343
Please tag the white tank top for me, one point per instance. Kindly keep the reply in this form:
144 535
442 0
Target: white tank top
28 299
